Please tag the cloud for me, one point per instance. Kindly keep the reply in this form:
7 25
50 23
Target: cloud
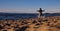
29 10
52 10
18 10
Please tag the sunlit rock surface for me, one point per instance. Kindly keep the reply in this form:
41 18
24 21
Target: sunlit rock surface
31 24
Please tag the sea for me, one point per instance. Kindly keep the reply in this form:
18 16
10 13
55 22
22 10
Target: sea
16 16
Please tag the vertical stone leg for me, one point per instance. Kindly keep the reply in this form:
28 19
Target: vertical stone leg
39 16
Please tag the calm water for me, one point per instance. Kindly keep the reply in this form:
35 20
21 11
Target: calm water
15 16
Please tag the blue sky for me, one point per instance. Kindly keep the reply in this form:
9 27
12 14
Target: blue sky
29 6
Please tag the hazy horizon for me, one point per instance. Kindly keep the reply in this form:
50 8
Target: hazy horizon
29 6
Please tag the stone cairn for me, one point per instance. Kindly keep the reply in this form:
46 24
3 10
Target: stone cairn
40 12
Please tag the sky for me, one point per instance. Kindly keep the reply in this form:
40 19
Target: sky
29 6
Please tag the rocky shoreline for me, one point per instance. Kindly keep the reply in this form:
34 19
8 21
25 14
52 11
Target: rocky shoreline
31 24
